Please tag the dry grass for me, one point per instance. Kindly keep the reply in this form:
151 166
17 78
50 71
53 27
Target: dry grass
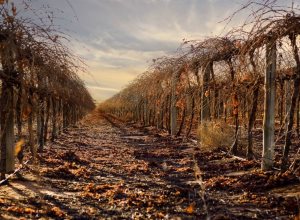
213 135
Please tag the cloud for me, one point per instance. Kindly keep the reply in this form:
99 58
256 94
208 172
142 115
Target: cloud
104 89
118 38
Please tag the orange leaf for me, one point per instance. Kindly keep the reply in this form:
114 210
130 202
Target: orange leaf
177 193
160 215
191 208
206 93
57 212
29 211
149 209
18 146
235 101
26 112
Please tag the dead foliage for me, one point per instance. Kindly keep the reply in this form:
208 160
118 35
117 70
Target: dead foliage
256 181
213 135
67 171
71 156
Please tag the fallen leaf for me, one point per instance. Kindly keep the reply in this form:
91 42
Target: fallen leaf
160 215
29 211
191 208
57 212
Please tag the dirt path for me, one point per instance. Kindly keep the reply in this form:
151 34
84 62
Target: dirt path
108 170
112 170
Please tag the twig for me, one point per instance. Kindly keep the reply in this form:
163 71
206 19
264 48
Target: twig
15 172
294 162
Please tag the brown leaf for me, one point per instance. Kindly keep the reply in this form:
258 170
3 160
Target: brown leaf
177 193
57 212
206 93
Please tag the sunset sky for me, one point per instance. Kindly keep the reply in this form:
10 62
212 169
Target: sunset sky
119 38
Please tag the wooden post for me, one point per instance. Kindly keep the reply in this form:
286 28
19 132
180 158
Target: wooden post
269 107
298 117
146 109
288 99
205 110
7 129
38 123
251 121
19 111
48 102
192 115
281 101
7 137
64 116
41 119
32 104
54 118
60 115
173 122
168 114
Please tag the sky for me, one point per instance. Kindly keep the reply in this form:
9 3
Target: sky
119 38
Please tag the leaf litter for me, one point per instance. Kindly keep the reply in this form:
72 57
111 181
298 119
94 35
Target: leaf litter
112 170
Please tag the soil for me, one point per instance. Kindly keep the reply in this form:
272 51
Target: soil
108 169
